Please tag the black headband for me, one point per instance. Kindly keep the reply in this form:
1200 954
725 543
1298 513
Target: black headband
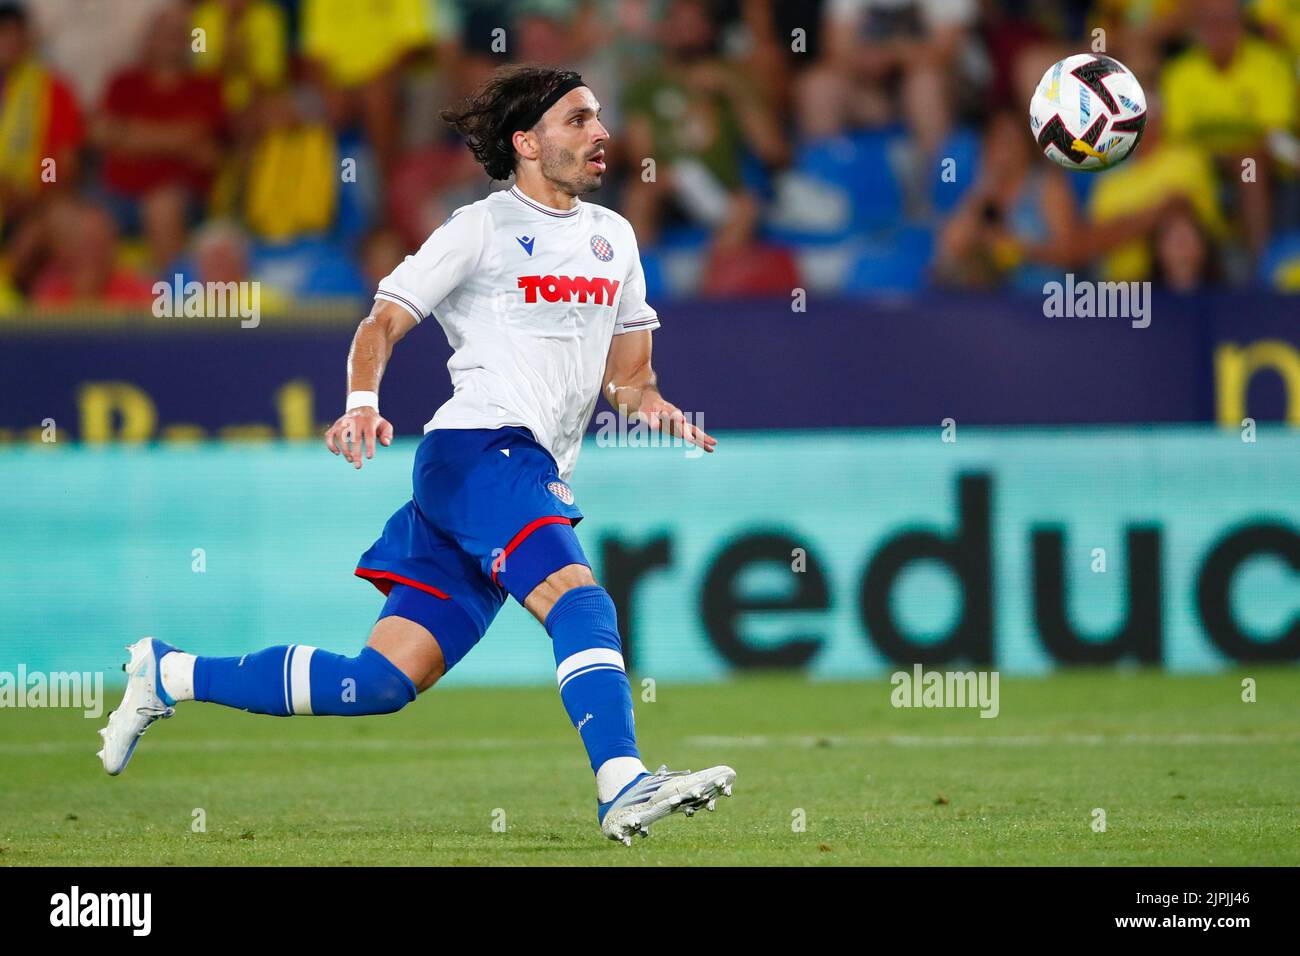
529 120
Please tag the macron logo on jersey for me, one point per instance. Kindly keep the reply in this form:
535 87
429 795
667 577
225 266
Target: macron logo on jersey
564 288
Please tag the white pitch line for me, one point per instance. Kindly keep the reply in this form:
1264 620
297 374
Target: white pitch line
990 740
430 747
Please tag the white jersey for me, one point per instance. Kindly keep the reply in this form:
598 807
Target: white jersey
530 298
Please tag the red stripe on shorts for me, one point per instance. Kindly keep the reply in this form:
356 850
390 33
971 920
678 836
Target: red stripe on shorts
384 580
519 538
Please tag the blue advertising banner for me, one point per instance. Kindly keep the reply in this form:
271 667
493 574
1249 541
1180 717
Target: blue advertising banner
740 365
842 554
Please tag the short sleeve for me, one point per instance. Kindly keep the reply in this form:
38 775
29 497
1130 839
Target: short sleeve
634 313
448 257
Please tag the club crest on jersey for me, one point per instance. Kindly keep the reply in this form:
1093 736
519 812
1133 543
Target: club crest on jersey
561 491
601 249
566 288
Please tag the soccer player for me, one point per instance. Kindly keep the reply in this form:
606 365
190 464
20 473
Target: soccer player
542 298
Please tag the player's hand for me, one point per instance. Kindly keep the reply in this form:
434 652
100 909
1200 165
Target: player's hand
665 416
356 432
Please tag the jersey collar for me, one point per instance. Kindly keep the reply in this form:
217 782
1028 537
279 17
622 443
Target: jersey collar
546 210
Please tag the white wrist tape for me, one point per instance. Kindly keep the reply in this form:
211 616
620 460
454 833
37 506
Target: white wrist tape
362 400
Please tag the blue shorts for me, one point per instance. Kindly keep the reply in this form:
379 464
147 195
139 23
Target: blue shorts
489 516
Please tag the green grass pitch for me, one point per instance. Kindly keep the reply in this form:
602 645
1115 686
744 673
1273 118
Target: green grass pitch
1186 772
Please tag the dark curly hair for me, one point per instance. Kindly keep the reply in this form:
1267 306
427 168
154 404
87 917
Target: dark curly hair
490 117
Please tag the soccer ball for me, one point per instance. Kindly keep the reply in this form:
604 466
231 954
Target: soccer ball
1088 112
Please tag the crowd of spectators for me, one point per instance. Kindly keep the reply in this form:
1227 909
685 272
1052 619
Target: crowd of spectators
852 146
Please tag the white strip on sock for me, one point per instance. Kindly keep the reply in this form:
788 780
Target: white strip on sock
176 674
615 774
300 679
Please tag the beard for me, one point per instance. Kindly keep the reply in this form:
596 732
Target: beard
562 167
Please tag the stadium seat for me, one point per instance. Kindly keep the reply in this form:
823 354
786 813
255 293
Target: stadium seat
869 173
808 211
755 175
823 268
1082 184
679 259
963 147
656 284
311 268
895 264
687 237
850 173
358 202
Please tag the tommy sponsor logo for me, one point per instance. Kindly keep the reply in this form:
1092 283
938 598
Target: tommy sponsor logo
565 288
103 909
561 491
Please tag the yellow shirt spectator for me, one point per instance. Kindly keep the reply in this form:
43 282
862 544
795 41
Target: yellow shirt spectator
1133 12
1144 182
357 40
292 185
1283 17
251 52
1228 110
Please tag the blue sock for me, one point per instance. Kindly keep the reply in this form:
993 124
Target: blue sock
297 679
588 653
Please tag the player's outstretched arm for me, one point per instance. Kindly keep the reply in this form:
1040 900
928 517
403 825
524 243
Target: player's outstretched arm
630 385
359 428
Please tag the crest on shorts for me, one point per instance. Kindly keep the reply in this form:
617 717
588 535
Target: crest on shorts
601 248
561 491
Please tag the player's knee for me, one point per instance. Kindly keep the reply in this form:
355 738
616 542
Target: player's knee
551 589
387 697
357 686
571 576
388 689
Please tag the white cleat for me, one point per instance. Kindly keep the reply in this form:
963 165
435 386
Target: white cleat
142 704
654 796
